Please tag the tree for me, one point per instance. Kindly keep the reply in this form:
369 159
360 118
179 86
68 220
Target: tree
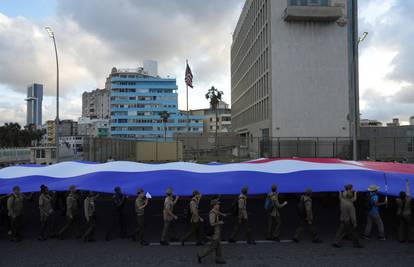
214 96
12 135
164 116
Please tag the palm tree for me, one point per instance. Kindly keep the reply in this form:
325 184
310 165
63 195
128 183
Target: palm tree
164 116
214 95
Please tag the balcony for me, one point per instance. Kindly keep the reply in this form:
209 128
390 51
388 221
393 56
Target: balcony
312 13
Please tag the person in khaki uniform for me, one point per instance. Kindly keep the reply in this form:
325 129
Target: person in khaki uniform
348 221
169 216
140 203
242 219
72 213
405 227
215 245
305 213
89 211
195 221
15 204
274 221
46 211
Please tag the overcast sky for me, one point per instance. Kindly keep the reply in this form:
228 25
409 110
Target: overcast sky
95 35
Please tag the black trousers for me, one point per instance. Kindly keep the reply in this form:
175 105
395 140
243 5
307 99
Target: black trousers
241 223
405 228
273 226
44 224
118 221
71 223
16 226
139 231
346 228
194 230
90 231
304 224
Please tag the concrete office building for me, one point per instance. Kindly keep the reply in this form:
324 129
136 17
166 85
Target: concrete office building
93 127
95 104
292 69
34 104
137 102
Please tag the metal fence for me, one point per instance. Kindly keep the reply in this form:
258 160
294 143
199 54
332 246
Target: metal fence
104 149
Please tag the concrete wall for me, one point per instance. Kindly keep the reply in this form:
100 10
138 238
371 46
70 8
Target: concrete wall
159 151
310 89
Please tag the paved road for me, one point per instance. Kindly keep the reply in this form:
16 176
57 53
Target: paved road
125 253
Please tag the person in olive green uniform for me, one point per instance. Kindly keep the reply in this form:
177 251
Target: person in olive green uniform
89 211
242 219
348 221
46 211
72 213
195 221
215 245
118 214
274 220
405 227
168 215
140 203
15 204
305 213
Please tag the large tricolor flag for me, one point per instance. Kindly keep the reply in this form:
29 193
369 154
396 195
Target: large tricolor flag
188 76
291 176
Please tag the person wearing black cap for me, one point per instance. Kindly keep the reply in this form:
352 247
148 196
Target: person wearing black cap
242 219
195 220
306 217
15 204
118 216
89 211
215 245
72 213
168 216
140 203
46 211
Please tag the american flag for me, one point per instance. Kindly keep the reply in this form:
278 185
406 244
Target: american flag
188 76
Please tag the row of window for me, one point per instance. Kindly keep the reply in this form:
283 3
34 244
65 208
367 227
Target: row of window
155 128
142 90
142 106
255 113
144 98
150 121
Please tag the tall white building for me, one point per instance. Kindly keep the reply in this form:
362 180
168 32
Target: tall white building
95 104
292 69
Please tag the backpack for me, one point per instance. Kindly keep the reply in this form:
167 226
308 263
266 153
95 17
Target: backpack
368 202
268 204
301 208
235 207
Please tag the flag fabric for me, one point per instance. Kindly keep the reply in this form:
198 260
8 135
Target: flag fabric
188 76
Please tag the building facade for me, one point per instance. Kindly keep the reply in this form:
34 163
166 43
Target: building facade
66 128
291 69
137 102
93 127
223 121
95 104
34 104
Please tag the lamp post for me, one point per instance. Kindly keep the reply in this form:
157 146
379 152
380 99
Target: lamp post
164 116
52 35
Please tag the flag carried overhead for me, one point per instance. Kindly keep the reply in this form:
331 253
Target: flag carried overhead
188 76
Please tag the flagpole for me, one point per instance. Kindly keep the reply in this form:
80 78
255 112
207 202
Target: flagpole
188 115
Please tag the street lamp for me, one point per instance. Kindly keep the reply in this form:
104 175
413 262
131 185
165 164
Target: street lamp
52 35
164 116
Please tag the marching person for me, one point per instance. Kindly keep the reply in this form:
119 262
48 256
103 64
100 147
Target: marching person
405 227
46 211
168 216
89 211
15 205
305 213
274 221
118 216
215 245
348 221
72 213
242 219
141 203
195 221
373 215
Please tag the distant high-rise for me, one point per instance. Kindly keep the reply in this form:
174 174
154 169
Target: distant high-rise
34 104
